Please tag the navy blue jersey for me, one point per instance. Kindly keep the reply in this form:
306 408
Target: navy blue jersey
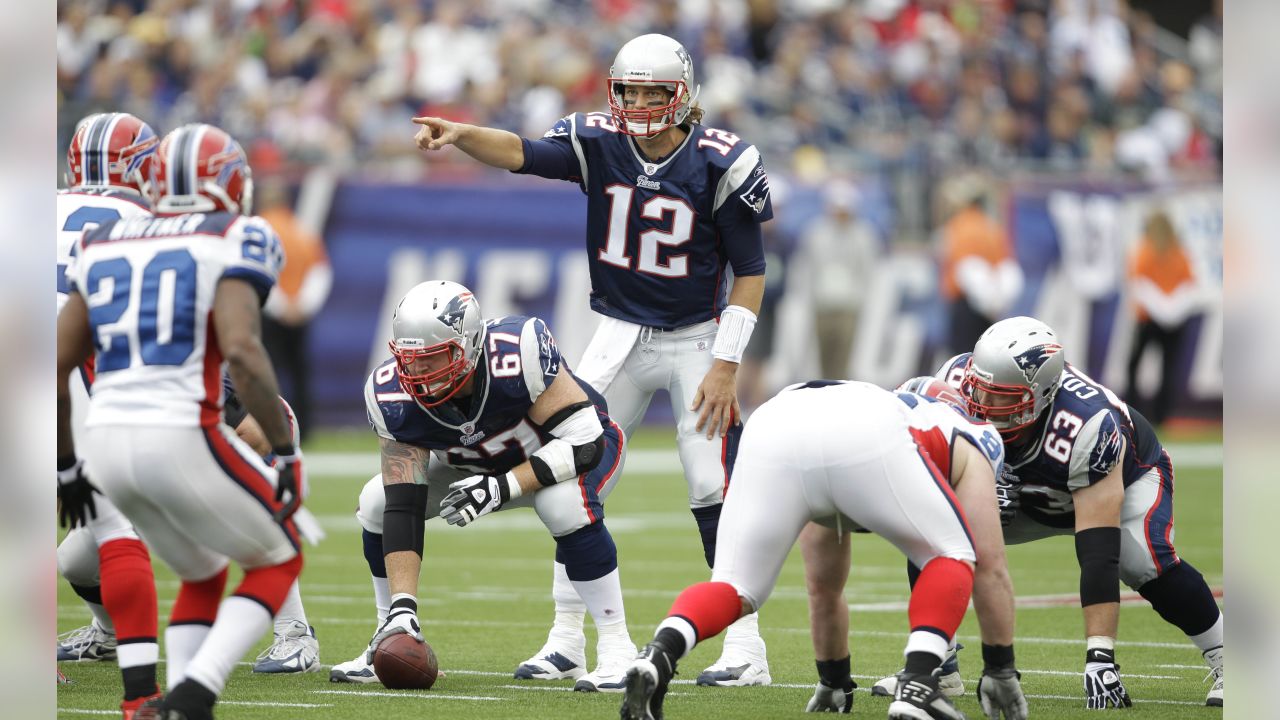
659 234
1084 434
488 432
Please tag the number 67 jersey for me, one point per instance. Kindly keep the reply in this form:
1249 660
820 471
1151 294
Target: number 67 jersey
149 283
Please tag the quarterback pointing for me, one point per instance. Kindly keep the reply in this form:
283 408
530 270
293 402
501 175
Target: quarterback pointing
672 206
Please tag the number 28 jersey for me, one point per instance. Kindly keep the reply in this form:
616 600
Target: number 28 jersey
1087 432
80 209
149 283
489 431
660 233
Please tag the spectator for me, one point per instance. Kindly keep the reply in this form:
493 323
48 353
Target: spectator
302 290
980 277
1165 298
840 251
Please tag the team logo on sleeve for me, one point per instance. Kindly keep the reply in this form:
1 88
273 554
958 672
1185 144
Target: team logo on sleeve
1032 360
550 353
1106 452
757 193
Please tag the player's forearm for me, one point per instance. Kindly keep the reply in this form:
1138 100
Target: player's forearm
748 292
66 448
1102 619
491 146
826 568
255 384
993 602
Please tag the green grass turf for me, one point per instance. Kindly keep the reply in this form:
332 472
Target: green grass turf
486 607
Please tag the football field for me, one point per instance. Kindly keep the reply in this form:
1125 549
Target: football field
485 604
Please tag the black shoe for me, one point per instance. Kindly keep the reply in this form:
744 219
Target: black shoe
919 697
646 684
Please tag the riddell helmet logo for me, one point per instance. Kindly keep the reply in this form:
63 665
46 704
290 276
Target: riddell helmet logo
1032 360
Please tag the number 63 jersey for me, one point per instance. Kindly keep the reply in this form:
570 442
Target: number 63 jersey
1086 433
149 283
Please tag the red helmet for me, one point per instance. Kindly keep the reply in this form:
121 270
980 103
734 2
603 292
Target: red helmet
200 168
111 149
932 387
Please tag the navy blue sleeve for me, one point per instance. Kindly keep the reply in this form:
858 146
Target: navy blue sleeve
743 242
550 158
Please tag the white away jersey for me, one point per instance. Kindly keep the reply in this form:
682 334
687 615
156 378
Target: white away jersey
149 283
80 209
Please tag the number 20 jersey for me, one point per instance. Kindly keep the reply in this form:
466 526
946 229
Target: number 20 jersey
488 432
655 248
1080 444
149 283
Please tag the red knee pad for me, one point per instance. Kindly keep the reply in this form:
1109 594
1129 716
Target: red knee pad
129 588
941 595
709 606
197 602
268 586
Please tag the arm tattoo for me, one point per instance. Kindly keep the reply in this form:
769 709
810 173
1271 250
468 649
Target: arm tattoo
402 463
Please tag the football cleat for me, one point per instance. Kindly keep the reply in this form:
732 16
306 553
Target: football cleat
949 679
742 663
1214 698
296 650
551 664
645 684
87 643
353 671
609 675
143 708
918 697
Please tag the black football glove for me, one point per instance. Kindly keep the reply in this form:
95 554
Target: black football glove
1102 685
75 496
291 482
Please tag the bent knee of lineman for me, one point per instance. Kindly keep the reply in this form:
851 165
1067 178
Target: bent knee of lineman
78 558
373 499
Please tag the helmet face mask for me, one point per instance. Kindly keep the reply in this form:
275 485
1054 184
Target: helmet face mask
437 339
645 62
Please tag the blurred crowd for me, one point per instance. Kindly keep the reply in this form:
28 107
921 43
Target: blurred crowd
820 86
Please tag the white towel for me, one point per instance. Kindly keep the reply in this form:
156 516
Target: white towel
308 526
606 352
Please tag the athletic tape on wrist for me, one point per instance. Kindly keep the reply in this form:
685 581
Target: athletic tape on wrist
736 324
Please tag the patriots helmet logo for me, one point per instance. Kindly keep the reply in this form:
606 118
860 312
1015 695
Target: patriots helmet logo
1032 360
456 311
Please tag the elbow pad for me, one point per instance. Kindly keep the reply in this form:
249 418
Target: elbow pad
576 449
1098 550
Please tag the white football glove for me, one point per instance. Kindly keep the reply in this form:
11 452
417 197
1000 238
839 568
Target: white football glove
1102 685
1000 695
831 700
400 620
476 497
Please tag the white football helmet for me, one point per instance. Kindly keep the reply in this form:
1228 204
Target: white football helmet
437 319
652 60
1013 374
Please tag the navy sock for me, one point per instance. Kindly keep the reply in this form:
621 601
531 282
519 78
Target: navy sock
373 554
671 642
587 553
921 663
1183 599
913 574
708 523
88 593
139 681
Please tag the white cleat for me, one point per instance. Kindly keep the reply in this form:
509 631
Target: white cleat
296 650
86 643
739 666
553 664
353 671
610 674
949 680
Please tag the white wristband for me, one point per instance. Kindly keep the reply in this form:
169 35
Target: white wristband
513 485
736 324
1100 642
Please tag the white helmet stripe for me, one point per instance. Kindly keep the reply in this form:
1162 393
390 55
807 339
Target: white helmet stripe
104 151
88 149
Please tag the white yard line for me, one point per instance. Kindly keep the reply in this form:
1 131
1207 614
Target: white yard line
407 695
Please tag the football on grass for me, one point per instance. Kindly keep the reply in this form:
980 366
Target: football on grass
403 663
